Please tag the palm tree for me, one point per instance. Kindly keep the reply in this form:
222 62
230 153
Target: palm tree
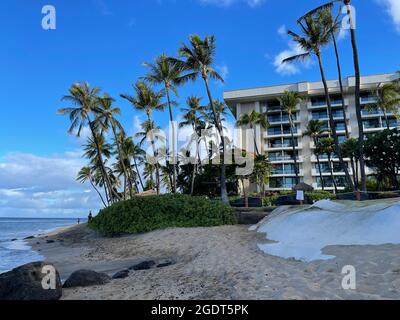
350 150
96 149
133 151
198 60
85 174
86 112
388 100
253 119
167 72
315 129
108 120
316 35
147 100
190 118
335 26
327 146
148 173
289 102
357 74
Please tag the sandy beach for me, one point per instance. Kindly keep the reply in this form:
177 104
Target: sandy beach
216 263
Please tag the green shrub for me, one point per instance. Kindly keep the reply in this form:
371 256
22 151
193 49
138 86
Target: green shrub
271 201
144 214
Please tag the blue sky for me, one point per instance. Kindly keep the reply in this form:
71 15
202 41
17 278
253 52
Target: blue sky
105 43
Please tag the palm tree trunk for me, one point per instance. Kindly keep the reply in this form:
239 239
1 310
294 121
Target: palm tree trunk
138 173
98 192
340 83
354 172
332 173
224 191
122 159
386 118
357 97
155 156
332 125
113 195
255 142
319 166
246 198
171 118
296 168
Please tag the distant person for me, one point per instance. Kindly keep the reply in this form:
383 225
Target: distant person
79 221
90 217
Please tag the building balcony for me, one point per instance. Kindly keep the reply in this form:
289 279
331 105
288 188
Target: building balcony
368 99
326 172
276 133
322 104
282 146
286 173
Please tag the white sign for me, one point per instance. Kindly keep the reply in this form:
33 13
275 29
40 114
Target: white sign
300 195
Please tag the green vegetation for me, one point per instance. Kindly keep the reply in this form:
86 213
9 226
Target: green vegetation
315 196
144 214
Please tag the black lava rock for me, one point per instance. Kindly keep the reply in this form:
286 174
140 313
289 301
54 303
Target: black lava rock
121 274
86 278
145 265
25 283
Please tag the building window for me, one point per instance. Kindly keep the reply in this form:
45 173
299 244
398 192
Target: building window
282 183
328 182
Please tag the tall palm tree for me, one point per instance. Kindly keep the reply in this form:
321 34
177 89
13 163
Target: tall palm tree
86 112
335 26
253 119
96 150
133 151
388 100
85 174
190 118
289 102
316 35
327 146
315 129
147 100
167 72
357 74
108 120
350 150
198 59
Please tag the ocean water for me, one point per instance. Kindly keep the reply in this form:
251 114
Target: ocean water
16 253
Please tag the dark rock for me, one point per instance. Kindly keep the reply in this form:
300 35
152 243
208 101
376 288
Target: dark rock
30 237
165 264
50 241
86 278
25 283
121 274
12 240
38 242
145 265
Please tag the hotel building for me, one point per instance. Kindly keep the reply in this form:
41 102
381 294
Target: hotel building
276 140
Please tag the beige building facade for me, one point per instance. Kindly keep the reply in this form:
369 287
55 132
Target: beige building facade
276 140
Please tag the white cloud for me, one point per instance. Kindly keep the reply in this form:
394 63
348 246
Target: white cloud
289 68
228 3
393 9
282 30
223 71
38 186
